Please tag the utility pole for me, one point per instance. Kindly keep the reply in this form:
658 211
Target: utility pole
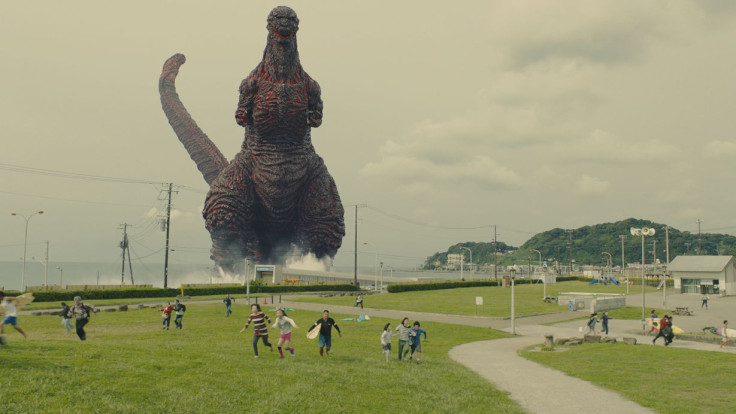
570 244
355 263
700 241
664 285
46 267
623 262
495 255
168 225
124 246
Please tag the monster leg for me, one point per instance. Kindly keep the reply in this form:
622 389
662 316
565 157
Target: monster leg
228 213
321 217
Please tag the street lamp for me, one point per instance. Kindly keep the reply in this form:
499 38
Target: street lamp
381 278
25 247
375 264
461 260
544 280
61 275
513 310
643 232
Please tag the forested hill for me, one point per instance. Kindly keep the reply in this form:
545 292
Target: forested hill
586 245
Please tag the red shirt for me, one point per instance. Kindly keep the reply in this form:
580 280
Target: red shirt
167 310
663 323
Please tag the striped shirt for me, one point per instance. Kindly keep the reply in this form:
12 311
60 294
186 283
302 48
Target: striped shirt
259 323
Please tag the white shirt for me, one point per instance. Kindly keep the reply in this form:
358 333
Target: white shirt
9 306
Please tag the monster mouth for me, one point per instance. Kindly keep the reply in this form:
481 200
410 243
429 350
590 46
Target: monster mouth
283 33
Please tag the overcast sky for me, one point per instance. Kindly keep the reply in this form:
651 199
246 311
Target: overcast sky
444 118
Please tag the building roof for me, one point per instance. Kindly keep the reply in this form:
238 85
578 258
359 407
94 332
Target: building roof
699 263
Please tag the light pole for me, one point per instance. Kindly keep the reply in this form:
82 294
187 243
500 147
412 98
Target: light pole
61 275
381 278
610 263
25 247
461 260
513 310
544 280
643 232
375 264
623 262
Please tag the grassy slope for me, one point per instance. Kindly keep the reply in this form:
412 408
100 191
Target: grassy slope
497 301
665 379
129 364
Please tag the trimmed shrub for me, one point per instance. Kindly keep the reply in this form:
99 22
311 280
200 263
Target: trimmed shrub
64 295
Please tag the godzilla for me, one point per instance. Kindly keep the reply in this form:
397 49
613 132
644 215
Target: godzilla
276 196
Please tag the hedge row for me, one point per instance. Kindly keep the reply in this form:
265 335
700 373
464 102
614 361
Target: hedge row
64 295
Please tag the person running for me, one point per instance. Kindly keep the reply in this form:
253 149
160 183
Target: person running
179 308
260 329
11 316
285 324
655 325
726 340
386 341
359 301
669 332
228 304
81 314
416 341
591 323
325 324
663 323
404 332
604 322
705 302
66 320
166 315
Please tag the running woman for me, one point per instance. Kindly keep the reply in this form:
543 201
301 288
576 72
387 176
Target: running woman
284 323
325 324
81 314
260 329
386 341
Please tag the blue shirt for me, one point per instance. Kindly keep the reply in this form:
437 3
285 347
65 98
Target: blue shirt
416 334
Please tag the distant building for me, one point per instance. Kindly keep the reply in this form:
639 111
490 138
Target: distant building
704 274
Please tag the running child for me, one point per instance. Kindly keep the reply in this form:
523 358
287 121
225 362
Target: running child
386 341
81 314
404 331
166 315
325 324
11 316
416 341
285 324
260 330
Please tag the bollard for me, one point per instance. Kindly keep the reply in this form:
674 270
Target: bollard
549 341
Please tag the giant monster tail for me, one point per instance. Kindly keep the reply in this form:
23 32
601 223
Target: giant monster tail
203 151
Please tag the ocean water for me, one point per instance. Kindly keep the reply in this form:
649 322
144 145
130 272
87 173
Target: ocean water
81 273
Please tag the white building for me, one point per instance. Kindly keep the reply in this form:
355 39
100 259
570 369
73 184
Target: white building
704 274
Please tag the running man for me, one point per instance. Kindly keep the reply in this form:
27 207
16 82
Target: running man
260 330
179 308
724 333
81 314
285 324
11 316
325 324
228 304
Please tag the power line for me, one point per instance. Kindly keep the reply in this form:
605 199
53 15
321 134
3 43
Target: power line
418 223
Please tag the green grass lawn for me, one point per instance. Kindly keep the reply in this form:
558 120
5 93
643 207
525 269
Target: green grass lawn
665 379
129 365
461 301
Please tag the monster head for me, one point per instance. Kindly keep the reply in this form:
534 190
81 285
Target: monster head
282 24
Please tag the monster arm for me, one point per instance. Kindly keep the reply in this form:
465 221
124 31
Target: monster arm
244 113
314 108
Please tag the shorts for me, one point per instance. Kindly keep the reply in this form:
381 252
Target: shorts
325 341
10 320
417 346
285 337
386 347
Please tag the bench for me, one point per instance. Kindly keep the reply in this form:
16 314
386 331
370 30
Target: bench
684 311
